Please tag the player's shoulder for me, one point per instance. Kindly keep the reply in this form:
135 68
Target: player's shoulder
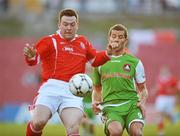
54 35
46 38
131 57
82 38
50 36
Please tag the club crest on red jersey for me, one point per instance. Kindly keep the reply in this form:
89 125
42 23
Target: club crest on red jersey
127 67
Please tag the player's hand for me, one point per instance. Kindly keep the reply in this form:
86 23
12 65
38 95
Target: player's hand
95 107
112 47
141 105
109 49
29 51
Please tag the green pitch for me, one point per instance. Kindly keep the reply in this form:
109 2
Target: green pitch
58 130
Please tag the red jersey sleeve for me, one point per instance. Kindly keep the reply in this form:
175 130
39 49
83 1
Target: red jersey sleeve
173 82
42 50
100 58
43 47
96 58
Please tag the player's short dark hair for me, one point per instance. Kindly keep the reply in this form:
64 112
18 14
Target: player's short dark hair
68 12
119 27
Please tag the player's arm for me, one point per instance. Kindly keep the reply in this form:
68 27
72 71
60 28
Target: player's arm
100 58
97 58
30 54
34 53
103 56
141 86
96 93
143 95
96 98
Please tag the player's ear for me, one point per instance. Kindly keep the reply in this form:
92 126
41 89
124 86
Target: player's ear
126 42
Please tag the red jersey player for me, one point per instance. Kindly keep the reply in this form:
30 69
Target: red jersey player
167 88
62 55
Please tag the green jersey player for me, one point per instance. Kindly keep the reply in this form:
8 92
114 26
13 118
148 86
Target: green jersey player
120 91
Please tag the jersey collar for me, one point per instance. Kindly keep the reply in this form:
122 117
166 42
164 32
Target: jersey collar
119 55
59 33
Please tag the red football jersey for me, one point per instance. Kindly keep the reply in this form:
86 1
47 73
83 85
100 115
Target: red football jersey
167 86
61 59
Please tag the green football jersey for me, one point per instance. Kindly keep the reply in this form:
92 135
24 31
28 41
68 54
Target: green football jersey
117 78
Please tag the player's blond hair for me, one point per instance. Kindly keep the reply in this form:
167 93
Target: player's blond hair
119 27
68 12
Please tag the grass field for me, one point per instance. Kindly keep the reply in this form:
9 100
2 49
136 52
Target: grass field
58 130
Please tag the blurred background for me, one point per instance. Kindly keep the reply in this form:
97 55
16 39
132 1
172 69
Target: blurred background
154 37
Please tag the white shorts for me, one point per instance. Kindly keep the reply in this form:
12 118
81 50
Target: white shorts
55 94
165 104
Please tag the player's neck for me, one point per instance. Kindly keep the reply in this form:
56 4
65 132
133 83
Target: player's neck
118 53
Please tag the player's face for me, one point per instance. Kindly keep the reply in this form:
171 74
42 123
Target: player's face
118 37
68 27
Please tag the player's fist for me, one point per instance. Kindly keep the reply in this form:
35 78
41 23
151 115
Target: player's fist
109 49
95 107
114 45
29 51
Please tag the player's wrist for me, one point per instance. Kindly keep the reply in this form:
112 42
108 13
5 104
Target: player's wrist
32 55
109 54
31 58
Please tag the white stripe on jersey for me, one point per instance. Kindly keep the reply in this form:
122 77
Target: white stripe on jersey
56 51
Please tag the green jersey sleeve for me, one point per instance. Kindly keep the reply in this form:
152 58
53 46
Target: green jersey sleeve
96 76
